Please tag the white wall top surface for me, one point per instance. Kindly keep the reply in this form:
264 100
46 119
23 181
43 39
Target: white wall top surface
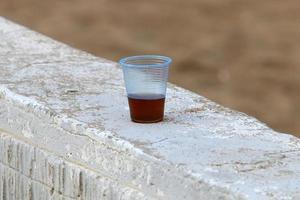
85 95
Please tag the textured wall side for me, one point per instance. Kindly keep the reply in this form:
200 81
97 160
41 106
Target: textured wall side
27 172
155 179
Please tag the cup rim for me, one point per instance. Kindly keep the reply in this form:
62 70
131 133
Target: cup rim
166 61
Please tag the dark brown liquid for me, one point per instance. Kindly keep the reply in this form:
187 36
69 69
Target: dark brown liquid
146 108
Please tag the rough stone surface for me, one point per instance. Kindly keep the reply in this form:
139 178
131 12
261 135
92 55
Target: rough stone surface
28 172
65 121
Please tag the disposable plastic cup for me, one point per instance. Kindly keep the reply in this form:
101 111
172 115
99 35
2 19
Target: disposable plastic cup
146 79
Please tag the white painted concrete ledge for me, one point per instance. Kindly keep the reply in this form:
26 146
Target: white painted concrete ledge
66 134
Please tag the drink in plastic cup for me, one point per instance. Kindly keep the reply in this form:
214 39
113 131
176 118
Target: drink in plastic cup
146 79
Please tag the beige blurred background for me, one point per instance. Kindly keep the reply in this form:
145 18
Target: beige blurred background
244 54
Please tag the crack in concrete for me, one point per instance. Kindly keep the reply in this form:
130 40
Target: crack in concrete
251 166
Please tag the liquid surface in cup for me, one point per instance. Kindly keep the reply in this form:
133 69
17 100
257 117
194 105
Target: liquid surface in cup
146 108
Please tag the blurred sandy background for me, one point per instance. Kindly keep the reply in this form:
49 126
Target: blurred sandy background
244 54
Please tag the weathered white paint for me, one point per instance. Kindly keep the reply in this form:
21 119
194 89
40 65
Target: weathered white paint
28 172
66 111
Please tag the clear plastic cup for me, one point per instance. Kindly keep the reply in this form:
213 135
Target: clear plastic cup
146 79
